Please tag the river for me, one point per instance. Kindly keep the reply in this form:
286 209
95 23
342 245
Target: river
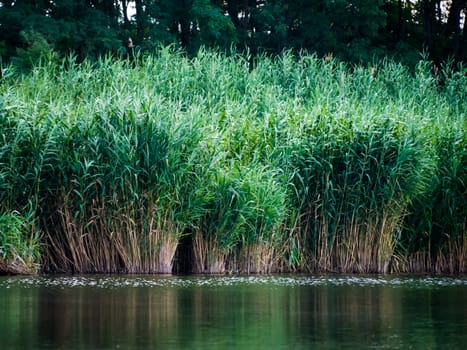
233 312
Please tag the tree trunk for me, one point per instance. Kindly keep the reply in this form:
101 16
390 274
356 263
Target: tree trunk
453 26
463 41
126 20
139 20
400 20
232 10
429 24
184 22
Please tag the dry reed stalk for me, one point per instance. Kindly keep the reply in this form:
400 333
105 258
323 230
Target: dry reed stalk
399 264
345 255
65 245
55 257
163 245
292 253
385 243
323 246
362 244
146 248
458 247
257 258
208 256
462 253
106 240
200 251
377 243
130 234
346 249
106 249
452 259
418 262
386 224
17 266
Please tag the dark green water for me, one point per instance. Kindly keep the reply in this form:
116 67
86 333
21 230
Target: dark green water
277 312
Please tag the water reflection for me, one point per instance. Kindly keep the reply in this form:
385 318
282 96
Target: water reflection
232 312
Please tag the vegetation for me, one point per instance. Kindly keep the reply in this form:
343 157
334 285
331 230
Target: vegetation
304 164
19 247
355 30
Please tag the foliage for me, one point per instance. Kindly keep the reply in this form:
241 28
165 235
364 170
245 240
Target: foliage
357 30
19 249
37 49
305 164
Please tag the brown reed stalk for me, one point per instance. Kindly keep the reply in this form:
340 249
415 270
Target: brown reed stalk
209 257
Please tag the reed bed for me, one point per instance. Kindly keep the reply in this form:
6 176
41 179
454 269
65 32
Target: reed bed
19 249
292 164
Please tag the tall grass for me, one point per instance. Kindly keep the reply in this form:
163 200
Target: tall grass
299 164
19 247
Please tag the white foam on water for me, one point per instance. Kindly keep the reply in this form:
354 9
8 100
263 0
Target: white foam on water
145 281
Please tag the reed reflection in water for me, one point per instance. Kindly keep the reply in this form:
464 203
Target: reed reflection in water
207 313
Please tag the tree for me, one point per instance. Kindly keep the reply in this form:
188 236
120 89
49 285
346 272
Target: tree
189 23
82 27
344 27
355 30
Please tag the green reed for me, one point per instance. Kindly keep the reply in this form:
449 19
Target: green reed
292 164
19 245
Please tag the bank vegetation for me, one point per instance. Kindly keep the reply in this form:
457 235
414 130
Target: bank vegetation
217 164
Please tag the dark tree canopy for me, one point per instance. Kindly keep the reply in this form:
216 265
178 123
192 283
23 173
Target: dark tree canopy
355 30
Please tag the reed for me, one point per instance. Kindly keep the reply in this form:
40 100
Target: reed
292 164
19 245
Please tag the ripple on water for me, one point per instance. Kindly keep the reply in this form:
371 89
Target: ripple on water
137 281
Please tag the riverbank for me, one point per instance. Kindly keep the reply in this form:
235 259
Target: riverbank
207 165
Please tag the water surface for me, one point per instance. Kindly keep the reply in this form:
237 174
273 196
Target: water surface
228 312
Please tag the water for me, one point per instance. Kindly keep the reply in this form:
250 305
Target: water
196 312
